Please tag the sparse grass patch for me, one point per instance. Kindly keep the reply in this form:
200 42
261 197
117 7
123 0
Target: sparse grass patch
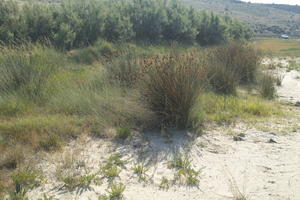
185 174
165 183
141 171
293 65
24 180
111 169
227 109
116 191
117 160
83 181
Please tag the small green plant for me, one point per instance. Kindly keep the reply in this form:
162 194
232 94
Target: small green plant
111 172
123 133
180 161
140 170
80 182
116 159
165 183
184 171
116 191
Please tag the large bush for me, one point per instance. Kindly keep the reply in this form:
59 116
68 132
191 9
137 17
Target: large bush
171 86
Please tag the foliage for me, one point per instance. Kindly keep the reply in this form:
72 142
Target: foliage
231 65
79 23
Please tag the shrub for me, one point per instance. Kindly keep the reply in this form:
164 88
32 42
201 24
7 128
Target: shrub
267 87
231 65
171 87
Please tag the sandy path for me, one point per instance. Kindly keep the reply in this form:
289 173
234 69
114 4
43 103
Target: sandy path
290 89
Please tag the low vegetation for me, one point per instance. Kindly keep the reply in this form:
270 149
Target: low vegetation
48 98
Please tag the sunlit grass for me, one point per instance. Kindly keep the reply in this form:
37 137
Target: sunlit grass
228 109
279 47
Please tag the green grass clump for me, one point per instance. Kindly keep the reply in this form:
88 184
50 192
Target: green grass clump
123 133
267 86
165 183
116 191
116 159
141 171
111 169
184 171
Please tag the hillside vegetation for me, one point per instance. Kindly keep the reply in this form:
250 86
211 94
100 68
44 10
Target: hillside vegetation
265 19
70 24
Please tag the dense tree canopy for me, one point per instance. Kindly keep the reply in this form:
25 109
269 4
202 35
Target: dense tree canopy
68 24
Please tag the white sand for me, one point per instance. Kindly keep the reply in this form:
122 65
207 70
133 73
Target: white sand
262 170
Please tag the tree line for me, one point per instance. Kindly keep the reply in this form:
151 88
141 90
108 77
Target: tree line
70 24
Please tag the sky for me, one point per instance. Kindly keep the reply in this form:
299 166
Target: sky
291 2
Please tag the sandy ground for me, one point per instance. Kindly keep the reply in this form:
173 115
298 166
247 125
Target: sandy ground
289 91
262 166
260 169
